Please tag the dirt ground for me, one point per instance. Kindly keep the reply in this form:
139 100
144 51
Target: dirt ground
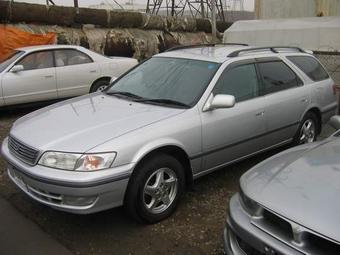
195 228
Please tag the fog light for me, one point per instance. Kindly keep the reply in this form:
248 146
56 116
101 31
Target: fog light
79 201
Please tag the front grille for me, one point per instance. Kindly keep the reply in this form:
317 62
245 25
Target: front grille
278 225
23 152
304 240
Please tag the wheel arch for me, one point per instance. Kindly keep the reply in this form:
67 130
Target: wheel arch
317 112
103 78
171 149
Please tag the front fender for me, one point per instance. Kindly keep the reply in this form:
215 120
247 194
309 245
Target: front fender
154 145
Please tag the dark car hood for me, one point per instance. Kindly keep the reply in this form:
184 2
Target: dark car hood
82 123
301 184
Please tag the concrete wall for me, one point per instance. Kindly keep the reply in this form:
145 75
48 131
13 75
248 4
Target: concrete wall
129 34
274 9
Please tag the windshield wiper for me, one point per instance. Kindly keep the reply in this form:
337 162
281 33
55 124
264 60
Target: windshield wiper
163 101
124 93
140 99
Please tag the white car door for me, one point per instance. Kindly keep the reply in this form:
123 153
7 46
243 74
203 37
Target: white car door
35 82
76 72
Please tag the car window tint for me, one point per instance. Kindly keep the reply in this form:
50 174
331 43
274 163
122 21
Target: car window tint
240 81
71 57
277 76
38 60
310 66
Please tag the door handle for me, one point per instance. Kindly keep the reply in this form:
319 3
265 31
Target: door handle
48 76
304 100
93 71
259 114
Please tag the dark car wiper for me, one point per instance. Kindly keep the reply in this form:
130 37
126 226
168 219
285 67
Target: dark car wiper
124 93
163 101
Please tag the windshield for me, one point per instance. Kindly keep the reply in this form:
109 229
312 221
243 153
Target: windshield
167 79
9 59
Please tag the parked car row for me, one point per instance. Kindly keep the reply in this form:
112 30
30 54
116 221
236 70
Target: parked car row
50 72
183 114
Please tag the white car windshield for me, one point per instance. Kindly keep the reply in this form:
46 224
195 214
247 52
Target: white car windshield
166 80
9 59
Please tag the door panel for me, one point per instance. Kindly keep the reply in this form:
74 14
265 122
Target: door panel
286 100
229 134
75 73
37 82
29 86
284 110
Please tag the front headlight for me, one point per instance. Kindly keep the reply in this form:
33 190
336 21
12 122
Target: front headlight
77 161
252 208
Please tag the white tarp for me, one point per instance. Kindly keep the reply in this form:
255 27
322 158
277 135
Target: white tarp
317 34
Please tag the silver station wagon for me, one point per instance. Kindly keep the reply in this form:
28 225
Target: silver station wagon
173 118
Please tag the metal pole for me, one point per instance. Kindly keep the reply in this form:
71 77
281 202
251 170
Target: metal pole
76 3
213 18
172 8
202 9
147 7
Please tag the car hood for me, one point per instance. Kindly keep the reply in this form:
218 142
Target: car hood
301 184
82 123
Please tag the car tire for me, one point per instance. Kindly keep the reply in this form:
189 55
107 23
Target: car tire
308 129
149 197
99 85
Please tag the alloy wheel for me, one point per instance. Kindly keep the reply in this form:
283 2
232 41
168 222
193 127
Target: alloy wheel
101 88
160 190
307 132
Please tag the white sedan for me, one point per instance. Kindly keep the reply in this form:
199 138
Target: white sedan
50 72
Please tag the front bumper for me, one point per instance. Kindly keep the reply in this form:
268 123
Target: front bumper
242 237
71 191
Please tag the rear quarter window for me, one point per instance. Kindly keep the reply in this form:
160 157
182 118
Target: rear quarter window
310 66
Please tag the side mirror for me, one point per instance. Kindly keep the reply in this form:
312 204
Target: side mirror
335 122
17 68
219 101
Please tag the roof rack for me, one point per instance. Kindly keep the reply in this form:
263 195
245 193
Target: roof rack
180 47
273 49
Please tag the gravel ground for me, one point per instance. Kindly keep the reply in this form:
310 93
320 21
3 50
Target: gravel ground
195 228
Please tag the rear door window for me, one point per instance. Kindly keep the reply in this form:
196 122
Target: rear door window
310 66
277 76
71 57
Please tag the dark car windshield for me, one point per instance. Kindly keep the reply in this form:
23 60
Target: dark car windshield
167 80
9 59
